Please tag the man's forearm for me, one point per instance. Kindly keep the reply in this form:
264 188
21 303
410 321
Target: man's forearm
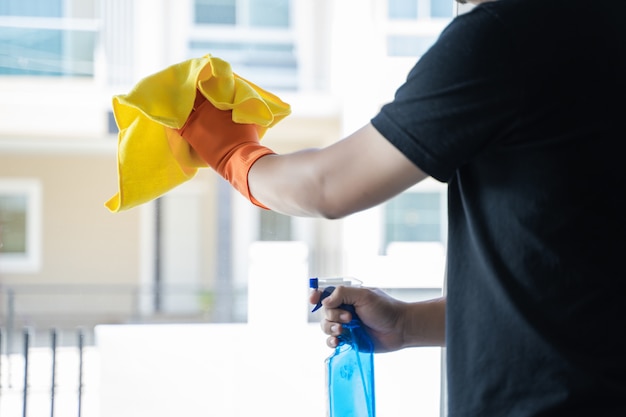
351 175
425 323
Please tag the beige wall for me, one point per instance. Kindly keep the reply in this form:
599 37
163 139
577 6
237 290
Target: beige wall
81 241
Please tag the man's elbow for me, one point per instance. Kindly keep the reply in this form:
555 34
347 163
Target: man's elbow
331 208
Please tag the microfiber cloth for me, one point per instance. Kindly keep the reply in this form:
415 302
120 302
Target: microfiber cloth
152 157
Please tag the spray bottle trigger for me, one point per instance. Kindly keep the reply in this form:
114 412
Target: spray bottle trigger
327 291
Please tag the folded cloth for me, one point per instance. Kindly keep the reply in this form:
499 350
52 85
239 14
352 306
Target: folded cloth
152 157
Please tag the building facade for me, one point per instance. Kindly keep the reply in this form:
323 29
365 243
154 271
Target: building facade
66 261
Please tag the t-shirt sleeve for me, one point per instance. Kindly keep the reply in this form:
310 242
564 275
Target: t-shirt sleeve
459 98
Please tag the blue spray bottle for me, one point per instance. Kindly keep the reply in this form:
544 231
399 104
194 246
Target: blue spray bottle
350 369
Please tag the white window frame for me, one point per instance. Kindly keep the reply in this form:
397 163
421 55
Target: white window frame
30 260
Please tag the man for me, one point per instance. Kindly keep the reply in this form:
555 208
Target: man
519 108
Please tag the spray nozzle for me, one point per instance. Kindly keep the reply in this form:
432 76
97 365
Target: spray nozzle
316 283
329 285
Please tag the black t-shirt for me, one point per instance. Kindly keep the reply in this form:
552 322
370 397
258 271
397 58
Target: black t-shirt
520 107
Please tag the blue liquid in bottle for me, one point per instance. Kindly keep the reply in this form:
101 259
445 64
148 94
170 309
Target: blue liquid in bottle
350 369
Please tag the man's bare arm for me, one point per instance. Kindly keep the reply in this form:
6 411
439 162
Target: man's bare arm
354 174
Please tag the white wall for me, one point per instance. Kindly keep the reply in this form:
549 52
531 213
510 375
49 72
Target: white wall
273 365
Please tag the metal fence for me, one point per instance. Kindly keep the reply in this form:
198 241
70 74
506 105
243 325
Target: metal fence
69 306
47 337
21 385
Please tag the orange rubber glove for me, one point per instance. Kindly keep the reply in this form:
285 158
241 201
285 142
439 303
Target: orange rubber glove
229 148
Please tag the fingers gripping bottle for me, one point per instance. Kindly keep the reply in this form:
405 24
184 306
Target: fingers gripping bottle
350 369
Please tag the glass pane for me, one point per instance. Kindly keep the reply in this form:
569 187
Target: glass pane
46 52
35 8
221 12
261 54
270 65
441 8
402 9
409 45
269 13
413 217
13 223
275 227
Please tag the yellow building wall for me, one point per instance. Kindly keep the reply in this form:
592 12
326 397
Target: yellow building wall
89 257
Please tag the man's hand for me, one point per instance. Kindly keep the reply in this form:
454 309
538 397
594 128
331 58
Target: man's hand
228 147
392 324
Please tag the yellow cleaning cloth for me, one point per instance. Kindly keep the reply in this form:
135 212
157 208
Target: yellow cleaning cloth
152 157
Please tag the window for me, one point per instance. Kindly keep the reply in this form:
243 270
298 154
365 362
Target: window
256 37
20 225
216 12
441 9
274 226
415 24
258 13
414 9
415 217
408 45
46 38
402 9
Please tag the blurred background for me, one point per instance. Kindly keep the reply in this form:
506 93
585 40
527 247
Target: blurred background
196 303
